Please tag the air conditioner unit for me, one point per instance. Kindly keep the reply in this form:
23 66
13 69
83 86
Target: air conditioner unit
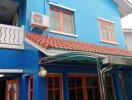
39 21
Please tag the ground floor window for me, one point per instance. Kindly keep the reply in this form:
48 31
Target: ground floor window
83 87
80 87
109 88
54 86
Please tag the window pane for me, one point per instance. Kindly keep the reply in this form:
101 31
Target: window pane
55 20
95 82
92 88
90 94
57 95
50 82
54 87
78 82
97 94
89 82
110 95
72 95
71 82
67 23
108 81
50 95
109 88
56 82
79 94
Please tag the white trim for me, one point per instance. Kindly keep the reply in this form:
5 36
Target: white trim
99 18
17 71
109 42
127 30
19 47
57 5
63 33
100 34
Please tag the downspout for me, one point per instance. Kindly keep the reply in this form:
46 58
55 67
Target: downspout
101 74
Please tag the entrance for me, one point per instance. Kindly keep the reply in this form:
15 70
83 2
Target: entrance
2 89
8 89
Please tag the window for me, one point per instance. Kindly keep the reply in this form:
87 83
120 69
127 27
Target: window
61 20
86 87
110 88
30 88
107 31
54 87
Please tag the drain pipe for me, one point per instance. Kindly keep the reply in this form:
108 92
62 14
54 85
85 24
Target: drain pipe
102 91
101 74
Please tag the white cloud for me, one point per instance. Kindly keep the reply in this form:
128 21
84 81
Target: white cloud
127 21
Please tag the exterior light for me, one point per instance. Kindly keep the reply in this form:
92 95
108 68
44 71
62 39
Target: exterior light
2 75
42 72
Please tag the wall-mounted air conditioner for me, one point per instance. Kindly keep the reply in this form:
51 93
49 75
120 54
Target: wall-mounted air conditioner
39 21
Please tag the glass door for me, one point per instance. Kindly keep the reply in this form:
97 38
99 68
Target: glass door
12 90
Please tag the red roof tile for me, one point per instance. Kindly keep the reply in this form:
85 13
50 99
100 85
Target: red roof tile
60 43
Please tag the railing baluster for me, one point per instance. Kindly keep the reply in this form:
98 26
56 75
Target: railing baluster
11 36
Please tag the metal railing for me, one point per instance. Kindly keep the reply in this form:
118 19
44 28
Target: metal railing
11 37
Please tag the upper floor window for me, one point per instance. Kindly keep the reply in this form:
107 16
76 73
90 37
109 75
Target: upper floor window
61 20
107 31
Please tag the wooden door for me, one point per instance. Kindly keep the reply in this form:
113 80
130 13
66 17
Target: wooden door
12 90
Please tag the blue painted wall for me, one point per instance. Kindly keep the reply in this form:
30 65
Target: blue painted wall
86 27
86 14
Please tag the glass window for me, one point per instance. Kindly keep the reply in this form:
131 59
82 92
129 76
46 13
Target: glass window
110 88
54 86
61 20
75 88
107 31
86 87
92 88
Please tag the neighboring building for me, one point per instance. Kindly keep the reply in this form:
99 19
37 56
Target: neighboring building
72 50
128 38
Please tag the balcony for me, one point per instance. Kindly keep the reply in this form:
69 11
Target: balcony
11 37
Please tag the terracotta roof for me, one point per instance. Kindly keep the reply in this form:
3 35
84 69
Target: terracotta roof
53 42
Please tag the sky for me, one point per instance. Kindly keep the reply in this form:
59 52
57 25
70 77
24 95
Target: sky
127 21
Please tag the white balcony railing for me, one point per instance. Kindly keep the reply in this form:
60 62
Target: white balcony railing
11 37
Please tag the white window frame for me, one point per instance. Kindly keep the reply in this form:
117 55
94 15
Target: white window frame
59 32
100 34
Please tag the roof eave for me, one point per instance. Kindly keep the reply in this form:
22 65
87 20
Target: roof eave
125 7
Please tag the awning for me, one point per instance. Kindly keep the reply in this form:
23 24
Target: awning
76 57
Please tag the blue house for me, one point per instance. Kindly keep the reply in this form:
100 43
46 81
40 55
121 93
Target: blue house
64 50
